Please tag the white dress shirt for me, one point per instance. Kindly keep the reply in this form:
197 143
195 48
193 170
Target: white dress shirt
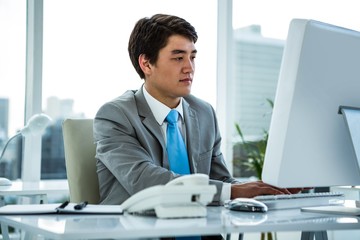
160 111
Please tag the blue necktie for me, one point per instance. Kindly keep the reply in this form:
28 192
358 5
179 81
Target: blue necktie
176 149
178 158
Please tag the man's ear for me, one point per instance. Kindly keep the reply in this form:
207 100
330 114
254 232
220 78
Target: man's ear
144 64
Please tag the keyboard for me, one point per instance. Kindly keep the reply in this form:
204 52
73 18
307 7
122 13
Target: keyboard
299 200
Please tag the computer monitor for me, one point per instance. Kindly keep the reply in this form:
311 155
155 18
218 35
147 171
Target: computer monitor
309 143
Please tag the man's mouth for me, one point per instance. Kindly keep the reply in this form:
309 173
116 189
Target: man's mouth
186 80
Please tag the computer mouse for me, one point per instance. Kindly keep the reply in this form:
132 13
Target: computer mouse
246 205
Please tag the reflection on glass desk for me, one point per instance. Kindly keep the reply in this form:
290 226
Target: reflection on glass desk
37 191
218 220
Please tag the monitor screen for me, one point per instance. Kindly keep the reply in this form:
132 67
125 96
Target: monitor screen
309 143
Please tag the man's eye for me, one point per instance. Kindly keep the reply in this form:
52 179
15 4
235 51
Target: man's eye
178 58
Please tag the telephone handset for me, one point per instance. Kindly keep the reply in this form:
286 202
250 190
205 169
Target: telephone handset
185 196
191 179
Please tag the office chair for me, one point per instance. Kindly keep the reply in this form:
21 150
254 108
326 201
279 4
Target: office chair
80 160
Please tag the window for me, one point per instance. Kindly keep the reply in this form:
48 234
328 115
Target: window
260 31
86 63
12 78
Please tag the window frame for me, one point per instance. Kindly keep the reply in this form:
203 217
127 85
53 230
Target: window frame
31 163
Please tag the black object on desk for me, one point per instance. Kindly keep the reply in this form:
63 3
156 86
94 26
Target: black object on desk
63 205
80 205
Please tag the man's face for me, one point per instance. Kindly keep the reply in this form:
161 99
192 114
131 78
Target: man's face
171 76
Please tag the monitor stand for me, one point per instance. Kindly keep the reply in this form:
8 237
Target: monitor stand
350 207
352 120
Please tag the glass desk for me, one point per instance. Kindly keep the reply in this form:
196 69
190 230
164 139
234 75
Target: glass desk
218 220
36 191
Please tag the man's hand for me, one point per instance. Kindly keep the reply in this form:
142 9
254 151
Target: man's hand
252 189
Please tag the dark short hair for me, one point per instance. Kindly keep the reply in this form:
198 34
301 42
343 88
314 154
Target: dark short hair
150 35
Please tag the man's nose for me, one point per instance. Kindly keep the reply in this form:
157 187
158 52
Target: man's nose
189 66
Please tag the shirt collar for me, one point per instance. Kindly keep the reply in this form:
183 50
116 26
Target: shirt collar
160 110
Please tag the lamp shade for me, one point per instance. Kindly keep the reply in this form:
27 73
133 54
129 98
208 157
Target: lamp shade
36 124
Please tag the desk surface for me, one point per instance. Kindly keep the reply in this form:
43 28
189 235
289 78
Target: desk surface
35 188
218 220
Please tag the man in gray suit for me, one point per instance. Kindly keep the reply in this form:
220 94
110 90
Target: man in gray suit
130 130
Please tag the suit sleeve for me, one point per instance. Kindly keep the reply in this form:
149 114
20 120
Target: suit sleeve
125 165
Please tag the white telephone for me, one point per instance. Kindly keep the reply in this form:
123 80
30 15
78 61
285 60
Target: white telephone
185 196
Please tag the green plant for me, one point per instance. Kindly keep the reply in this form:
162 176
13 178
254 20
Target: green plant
253 159
254 151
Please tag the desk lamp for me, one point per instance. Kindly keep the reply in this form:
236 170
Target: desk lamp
35 126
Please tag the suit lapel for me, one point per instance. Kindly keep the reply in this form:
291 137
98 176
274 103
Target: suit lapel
191 123
151 124
192 134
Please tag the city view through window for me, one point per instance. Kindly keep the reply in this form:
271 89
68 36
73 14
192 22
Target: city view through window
85 63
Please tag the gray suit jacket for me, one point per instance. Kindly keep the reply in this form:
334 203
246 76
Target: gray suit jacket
131 151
